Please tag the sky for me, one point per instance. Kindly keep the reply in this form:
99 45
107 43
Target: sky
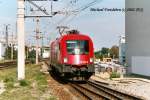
102 26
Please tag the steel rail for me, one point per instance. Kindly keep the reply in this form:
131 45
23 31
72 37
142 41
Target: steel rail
112 92
11 64
88 93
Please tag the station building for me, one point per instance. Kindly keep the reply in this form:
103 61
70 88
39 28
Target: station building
138 36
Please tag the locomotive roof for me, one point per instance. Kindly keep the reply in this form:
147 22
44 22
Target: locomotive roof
72 36
79 36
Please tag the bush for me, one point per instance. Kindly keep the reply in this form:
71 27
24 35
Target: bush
114 75
32 60
9 79
9 82
23 83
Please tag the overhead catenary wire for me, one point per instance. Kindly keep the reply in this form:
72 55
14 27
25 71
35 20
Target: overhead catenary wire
70 17
67 15
81 9
78 11
47 26
88 5
31 8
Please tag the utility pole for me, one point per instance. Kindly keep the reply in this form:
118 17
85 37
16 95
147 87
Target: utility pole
21 32
37 39
6 27
21 40
28 47
6 33
12 47
42 46
42 36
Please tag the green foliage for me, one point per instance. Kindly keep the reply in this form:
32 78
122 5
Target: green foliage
34 86
31 56
8 53
51 98
24 83
98 55
32 60
39 76
102 53
105 51
15 54
114 51
10 85
114 75
42 83
9 82
26 52
9 79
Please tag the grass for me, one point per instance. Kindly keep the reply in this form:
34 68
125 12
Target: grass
114 75
34 86
23 83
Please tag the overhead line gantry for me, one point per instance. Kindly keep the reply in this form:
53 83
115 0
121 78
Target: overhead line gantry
21 32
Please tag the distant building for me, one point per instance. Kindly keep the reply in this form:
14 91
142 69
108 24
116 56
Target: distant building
46 52
2 50
43 51
34 48
107 59
122 50
3 45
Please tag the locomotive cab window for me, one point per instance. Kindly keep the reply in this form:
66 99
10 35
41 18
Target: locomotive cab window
77 46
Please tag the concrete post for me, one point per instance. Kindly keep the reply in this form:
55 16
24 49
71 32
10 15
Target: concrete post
21 41
37 40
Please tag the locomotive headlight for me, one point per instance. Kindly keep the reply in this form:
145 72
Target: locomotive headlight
65 60
91 59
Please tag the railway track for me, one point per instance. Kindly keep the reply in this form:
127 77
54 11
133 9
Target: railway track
8 64
93 90
11 64
88 93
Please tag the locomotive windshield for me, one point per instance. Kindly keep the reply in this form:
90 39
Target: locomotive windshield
77 46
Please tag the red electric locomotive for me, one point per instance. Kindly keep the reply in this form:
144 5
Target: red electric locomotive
72 56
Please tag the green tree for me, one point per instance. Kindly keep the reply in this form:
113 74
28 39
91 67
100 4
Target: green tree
27 52
98 55
15 53
32 55
8 53
114 51
105 52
